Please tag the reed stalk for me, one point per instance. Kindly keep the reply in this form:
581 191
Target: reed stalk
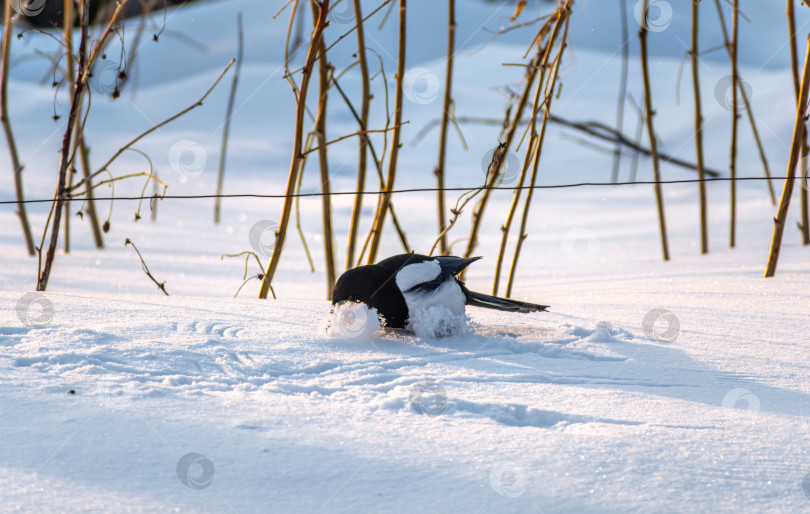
795 155
281 234
549 96
379 219
16 166
446 112
794 62
535 142
704 229
364 140
324 72
659 196
734 117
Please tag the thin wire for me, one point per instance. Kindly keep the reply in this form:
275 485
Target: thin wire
398 191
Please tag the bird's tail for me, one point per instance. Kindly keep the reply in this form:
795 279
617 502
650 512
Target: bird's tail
502 304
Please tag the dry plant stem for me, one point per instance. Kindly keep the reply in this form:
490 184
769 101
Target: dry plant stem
794 61
704 230
67 31
748 108
323 163
734 116
462 202
84 156
228 114
378 165
323 145
161 285
794 51
531 73
298 226
535 143
292 179
154 204
659 197
363 120
79 143
287 73
795 155
448 100
592 128
530 149
522 235
367 241
639 134
379 219
614 177
12 146
61 190
162 124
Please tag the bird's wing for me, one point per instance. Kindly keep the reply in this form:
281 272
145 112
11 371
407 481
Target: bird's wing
449 267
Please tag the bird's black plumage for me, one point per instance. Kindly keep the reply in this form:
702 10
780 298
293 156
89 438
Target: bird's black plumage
377 286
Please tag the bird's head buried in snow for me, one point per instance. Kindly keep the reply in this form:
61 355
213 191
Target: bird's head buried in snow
401 285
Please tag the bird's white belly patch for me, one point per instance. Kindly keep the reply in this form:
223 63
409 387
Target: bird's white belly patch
418 273
448 295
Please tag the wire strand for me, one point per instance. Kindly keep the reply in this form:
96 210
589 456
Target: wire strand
401 191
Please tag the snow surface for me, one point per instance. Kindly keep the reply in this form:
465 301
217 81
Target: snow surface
649 387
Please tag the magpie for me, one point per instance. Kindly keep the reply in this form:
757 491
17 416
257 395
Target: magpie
400 285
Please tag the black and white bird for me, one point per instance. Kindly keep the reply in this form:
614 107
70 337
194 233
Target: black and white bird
400 285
